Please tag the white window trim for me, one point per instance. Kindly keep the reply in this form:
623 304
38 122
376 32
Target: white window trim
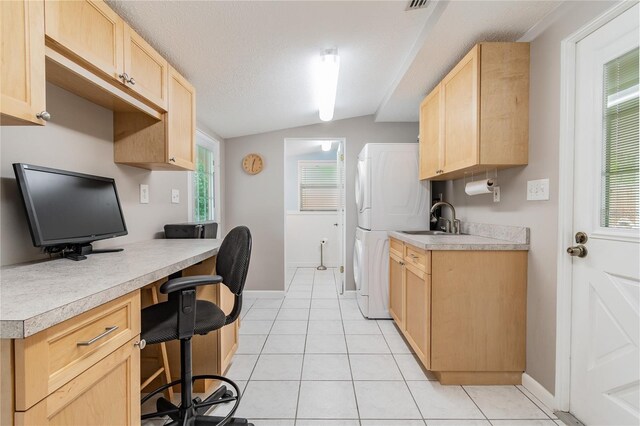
212 144
300 162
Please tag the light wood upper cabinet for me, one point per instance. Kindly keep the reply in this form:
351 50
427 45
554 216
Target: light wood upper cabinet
146 70
182 121
89 31
430 134
165 145
460 96
22 77
482 121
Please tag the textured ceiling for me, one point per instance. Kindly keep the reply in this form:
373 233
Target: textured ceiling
452 30
252 61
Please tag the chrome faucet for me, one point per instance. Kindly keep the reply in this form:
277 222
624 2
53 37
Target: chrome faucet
456 222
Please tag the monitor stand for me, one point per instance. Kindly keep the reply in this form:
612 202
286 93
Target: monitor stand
80 251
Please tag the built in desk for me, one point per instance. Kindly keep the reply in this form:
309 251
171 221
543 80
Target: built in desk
50 311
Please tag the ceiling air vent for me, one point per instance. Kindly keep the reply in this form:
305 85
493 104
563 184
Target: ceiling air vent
417 4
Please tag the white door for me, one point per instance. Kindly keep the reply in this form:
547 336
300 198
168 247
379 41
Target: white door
341 237
605 328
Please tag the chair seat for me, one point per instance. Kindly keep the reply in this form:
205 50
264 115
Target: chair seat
160 321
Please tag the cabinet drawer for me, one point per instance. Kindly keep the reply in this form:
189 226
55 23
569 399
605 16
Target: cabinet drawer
106 394
396 247
51 358
419 258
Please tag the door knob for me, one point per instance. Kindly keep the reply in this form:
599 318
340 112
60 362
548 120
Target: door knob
141 344
577 251
581 237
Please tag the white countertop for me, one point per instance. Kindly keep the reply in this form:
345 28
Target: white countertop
37 295
514 239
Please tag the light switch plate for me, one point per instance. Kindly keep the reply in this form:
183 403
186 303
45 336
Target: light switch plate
175 196
144 194
538 189
496 194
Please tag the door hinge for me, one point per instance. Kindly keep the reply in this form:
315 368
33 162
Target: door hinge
342 269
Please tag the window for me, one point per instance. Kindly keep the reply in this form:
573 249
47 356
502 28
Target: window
205 186
620 203
318 184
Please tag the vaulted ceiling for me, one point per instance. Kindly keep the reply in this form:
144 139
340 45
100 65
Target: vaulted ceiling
252 62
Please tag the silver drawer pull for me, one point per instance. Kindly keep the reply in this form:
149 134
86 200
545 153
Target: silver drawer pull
106 332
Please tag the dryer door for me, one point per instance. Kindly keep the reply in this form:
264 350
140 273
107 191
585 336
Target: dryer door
357 262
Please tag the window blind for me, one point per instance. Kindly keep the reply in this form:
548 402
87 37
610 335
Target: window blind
318 182
620 172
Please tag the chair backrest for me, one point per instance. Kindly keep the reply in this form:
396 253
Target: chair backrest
232 261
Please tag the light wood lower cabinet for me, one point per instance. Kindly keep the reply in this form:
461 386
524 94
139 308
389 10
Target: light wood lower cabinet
106 394
396 289
22 78
463 312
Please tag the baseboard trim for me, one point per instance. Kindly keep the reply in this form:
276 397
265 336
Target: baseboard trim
264 294
538 391
308 265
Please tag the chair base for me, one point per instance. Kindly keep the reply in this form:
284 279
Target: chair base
194 414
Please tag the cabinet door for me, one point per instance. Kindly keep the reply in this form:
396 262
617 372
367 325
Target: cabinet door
181 122
461 110
87 30
418 312
146 69
22 81
106 394
430 134
396 290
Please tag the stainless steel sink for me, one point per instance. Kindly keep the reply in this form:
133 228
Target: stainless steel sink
426 233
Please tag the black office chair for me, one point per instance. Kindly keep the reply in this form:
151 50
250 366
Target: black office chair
183 316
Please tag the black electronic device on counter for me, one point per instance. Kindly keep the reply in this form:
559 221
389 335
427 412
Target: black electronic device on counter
67 211
203 229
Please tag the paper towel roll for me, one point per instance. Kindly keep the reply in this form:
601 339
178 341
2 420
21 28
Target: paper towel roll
479 187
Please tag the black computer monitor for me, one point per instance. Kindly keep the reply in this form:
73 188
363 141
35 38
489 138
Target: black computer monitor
66 211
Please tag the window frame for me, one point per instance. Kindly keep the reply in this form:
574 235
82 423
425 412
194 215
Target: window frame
212 144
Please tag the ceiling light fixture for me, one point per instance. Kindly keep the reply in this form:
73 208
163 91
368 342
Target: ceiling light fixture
328 83
326 146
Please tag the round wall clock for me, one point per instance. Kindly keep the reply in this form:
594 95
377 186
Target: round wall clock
252 164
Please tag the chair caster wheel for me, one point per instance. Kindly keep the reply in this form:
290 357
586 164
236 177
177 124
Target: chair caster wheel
227 394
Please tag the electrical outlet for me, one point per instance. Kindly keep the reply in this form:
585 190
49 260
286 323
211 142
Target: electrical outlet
538 189
496 194
175 196
144 194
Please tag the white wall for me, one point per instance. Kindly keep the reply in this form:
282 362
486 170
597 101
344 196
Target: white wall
304 231
79 137
540 216
257 201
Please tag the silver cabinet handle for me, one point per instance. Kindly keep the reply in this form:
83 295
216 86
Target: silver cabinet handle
107 331
44 115
131 81
141 344
172 159
124 77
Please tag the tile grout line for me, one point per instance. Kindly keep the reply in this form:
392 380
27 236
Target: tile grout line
476 404
534 403
353 383
304 348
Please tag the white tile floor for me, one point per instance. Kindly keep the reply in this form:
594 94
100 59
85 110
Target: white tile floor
311 359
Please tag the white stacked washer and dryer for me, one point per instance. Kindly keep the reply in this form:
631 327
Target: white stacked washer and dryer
389 197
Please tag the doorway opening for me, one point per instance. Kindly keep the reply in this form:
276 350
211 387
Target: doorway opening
314 207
